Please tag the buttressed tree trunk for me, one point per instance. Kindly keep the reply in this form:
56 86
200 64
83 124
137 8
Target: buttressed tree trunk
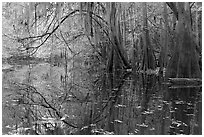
118 52
184 62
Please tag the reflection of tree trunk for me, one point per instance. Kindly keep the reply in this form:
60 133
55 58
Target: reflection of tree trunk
165 111
115 82
110 123
144 108
115 85
183 100
199 116
196 124
149 81
111 117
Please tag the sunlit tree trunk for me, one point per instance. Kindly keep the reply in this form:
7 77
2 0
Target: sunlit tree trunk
164 41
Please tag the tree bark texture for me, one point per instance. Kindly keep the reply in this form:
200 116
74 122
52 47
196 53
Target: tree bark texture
148 59
184 62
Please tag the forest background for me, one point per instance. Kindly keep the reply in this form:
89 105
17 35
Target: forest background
65 54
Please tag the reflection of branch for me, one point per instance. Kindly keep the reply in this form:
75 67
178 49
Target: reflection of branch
81 86
67 94
48 105
116 91
6 35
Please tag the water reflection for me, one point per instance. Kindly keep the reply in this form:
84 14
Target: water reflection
141 105
124 103
185 110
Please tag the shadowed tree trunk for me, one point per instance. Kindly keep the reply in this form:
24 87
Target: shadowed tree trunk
148 59
116 40
184 62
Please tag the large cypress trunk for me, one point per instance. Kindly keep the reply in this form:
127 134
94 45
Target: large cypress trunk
184 62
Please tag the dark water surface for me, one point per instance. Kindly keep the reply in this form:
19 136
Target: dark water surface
141 105
124 103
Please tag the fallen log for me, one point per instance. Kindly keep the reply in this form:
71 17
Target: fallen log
185 81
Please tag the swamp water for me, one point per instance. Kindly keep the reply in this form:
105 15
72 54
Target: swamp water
119 104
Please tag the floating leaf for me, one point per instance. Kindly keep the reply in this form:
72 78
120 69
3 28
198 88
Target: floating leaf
119 121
